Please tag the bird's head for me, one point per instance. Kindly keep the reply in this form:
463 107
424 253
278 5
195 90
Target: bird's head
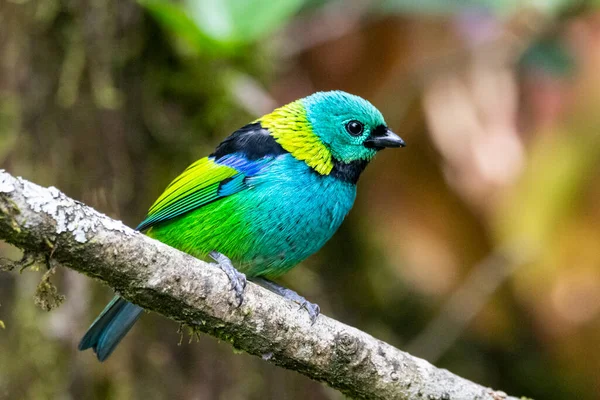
329 129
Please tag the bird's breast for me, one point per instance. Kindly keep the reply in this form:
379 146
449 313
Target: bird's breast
292 211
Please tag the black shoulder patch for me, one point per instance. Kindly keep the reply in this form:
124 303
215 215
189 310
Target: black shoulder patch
252 140
348 172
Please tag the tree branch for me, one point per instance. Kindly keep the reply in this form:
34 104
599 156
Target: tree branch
46 222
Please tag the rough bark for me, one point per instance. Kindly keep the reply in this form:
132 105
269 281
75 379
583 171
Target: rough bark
45 222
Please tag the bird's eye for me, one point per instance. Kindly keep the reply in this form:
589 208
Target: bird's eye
355 128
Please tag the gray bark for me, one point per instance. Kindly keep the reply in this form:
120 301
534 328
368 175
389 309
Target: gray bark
46 223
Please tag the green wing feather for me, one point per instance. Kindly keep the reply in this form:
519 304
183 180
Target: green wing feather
198 185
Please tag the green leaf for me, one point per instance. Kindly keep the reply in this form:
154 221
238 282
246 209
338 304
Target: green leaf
241 21
217 27
176 20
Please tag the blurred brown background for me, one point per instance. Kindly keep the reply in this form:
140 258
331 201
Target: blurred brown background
477 247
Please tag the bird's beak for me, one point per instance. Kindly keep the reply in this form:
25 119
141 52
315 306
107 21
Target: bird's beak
383 137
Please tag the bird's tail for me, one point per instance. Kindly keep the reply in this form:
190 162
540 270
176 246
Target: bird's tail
110 327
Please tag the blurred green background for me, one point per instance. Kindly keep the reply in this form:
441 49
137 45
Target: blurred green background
477 247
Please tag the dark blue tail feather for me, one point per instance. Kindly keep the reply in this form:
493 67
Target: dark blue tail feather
110 327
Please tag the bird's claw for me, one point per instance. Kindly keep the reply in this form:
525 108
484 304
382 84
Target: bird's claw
313 310
237 279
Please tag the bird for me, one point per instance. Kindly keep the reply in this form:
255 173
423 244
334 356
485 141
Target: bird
270 195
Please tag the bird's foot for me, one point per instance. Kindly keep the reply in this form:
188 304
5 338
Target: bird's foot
237 279
313 309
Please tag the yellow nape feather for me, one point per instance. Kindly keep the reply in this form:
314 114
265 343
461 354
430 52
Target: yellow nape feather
290 127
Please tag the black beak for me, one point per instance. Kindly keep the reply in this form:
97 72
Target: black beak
383 137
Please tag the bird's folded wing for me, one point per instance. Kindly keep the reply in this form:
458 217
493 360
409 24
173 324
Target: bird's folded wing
201 183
